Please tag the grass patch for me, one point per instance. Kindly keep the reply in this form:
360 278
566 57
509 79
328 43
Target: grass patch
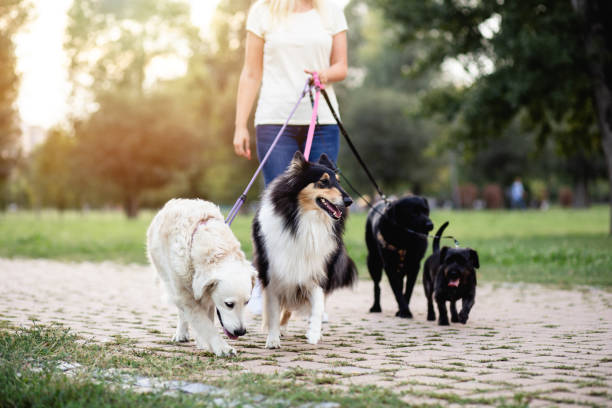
29 376
563 247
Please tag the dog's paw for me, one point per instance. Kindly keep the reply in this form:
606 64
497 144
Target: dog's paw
443 322
313 337
431 317
455 319
404 313
273 342
283 331
224 350
180 337
463 318
375 309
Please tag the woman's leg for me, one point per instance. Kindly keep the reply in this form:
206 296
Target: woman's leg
283 151
326 140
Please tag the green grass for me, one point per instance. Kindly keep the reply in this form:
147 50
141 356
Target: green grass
29 377
561 247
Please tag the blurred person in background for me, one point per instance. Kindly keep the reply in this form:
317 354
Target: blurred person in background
517 194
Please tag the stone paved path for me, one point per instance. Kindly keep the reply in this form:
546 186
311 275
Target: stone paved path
550 347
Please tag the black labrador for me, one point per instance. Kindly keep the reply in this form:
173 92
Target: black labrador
396 241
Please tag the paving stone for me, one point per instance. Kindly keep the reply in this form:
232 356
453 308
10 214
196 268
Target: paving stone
519 338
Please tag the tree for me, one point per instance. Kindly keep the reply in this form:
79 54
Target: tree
208 93
135 144
393 142
111 43
52 172
542 60
378 112
13 14
138 137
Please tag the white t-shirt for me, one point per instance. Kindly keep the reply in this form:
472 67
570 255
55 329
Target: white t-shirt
302 41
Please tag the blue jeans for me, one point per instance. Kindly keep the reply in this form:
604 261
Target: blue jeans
326 140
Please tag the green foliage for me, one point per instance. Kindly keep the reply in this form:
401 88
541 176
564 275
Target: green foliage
138 138
535 45
561 247
111 43
53 172
13 14
136 143
152 140
379 112
540 62
392 142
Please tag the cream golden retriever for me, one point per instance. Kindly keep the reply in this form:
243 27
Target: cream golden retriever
204 271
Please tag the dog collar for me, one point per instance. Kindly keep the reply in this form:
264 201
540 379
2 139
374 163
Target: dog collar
200 222
390 247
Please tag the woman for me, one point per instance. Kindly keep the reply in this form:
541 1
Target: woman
287 40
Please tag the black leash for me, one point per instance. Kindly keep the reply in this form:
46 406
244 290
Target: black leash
352 146
374 183
392 221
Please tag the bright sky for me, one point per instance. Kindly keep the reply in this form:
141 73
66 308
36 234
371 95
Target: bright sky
43 65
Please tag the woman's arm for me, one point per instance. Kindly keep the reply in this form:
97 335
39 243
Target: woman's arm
248 86
338 64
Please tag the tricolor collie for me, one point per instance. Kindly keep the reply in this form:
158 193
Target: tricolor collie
298 249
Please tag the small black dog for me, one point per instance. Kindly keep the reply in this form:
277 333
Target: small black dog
448 275
391 245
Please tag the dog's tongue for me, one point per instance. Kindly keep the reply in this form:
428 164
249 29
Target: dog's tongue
337 213
454 283
333 209
228 334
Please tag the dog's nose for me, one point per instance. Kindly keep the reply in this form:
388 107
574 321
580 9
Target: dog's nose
429 225
240 332
347 201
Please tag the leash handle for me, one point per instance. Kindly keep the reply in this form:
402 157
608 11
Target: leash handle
234 211
313 118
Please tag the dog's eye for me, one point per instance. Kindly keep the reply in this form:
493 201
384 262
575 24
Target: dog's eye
229 304
247 302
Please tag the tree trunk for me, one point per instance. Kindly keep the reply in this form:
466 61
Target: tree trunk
596 14
581 193
606 140
130 206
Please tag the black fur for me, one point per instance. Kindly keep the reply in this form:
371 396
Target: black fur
260 260
442 267
405 213
284 191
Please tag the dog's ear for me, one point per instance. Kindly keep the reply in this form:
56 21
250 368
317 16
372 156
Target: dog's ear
425 202
325 161
202 285
474 258
298 162
443 252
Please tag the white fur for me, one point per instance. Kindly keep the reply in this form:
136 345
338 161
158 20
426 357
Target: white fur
202 267
295 261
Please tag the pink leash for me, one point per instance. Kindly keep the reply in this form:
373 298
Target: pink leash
317 84
313 119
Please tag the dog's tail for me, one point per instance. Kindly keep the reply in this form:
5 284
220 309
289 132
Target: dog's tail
436 241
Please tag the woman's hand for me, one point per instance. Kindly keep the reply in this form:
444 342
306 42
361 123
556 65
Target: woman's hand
242 142
322 75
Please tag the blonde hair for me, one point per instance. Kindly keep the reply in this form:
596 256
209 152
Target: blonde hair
280 9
